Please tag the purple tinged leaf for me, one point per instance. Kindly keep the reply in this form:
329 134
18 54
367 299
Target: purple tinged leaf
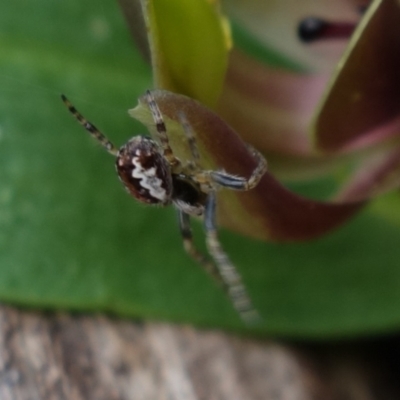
271 108
365 91
376 176
269 211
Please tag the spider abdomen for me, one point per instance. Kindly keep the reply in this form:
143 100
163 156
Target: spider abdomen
144 171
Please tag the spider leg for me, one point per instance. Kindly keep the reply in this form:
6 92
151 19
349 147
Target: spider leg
187 128
100 137
229 275
190 248
161 129
234 182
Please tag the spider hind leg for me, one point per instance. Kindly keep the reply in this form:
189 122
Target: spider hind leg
190 248
228 273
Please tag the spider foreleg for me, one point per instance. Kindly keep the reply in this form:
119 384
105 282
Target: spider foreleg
161 130
229 275
224 179
100 137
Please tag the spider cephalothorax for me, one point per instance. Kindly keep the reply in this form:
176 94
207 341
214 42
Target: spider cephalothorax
153 175
144 171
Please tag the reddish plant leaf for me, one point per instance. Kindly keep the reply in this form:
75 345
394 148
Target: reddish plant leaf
270 107
378 175
365 92
269 211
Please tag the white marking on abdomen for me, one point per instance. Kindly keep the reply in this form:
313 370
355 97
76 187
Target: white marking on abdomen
149 180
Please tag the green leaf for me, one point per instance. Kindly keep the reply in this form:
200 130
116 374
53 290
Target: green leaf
71 238
189 47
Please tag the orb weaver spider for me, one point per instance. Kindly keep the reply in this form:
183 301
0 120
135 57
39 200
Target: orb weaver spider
153 175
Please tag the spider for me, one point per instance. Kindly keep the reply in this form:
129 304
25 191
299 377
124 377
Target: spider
153 175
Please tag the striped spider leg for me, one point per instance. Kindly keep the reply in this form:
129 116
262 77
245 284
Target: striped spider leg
224 271
152 174
100 137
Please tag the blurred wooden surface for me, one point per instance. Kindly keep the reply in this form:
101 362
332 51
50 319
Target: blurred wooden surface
59 356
